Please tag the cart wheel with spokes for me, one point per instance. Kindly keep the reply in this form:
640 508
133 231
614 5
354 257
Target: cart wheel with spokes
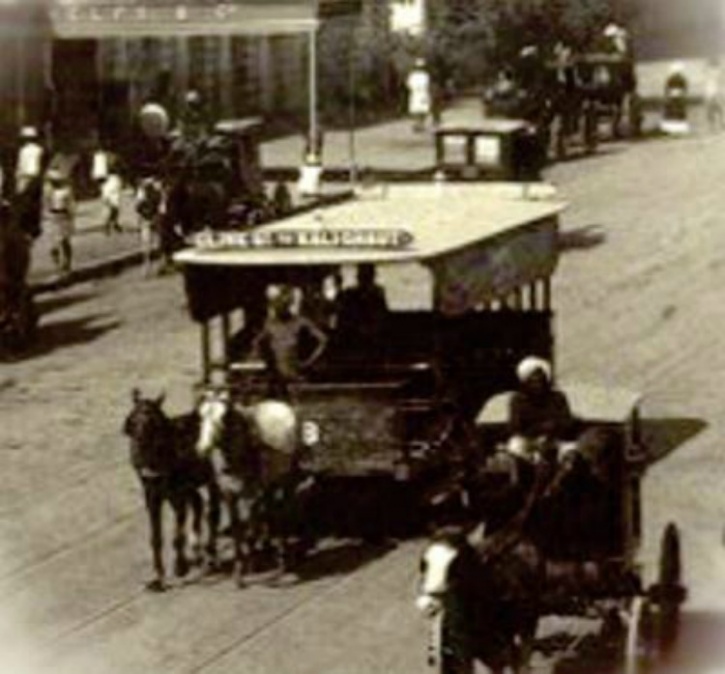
668 593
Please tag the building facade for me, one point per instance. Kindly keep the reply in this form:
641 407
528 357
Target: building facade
82 69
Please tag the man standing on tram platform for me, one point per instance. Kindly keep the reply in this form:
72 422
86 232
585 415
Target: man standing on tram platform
284 342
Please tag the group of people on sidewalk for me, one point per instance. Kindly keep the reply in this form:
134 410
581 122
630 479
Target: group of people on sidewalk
42 195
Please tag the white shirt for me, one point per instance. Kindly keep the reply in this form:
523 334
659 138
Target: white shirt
111 190
99 170
29 166
419 89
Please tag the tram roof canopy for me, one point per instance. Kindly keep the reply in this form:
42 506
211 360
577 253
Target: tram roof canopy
95 19
481 242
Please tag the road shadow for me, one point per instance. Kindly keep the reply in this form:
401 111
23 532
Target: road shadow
71 332
579 154
332 558
699 649
662 437
581 238
50 303
340 559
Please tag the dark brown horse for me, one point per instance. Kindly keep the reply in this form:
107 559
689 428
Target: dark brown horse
163 456
484 606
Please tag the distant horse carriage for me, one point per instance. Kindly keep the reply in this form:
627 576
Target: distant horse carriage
610 84
568 97
216 181
211 179
18 313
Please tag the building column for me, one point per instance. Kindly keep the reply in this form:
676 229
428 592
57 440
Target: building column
226 76
182 64
266 74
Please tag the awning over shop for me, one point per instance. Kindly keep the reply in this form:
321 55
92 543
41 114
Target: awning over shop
93 19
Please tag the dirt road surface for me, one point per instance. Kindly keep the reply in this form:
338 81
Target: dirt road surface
639 297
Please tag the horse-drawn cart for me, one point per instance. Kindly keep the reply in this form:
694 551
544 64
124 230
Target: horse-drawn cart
597 556
610 84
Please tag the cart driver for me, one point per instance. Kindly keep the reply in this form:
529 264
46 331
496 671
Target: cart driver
288 343
539 414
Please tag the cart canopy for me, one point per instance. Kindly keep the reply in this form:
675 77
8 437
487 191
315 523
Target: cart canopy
480 241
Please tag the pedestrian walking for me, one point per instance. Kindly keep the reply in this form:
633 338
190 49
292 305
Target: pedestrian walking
674 119
29 182
111 187
419 95
150 208
60 208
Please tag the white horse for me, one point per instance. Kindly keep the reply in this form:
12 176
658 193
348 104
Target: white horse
253 449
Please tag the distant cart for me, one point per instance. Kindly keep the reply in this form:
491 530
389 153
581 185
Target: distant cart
499 149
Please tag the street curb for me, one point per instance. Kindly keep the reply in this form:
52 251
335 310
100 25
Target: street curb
115 264
341 174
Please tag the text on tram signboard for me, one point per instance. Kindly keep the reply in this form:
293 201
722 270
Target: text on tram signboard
387 239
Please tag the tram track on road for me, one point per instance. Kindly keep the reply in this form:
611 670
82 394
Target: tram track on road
66 549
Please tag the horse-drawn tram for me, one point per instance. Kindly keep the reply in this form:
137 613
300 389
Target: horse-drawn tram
398 397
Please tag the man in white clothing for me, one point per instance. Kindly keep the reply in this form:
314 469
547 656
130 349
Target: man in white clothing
419 95
28 182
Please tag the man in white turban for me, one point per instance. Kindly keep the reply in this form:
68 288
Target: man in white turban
538 413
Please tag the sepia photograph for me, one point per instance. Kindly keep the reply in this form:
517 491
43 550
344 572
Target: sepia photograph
362 336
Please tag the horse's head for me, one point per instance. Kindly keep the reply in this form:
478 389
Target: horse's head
441 567
213 409
149 430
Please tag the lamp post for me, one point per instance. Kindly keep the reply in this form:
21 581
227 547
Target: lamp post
352 111
314 123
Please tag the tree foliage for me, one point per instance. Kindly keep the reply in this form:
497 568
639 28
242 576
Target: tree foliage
478 36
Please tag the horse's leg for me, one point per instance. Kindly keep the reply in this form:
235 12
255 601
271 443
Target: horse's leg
154 500
617 118
213 520
178 503
197 509
241 551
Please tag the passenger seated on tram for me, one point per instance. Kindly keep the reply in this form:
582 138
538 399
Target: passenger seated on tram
539 414
285 342
361 311
319 302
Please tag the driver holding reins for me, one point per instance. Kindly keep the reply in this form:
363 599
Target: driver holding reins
539 414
